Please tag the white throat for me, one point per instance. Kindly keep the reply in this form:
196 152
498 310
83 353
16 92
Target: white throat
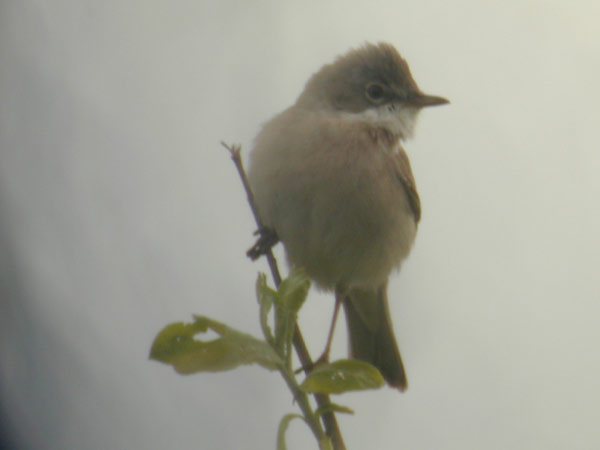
397 119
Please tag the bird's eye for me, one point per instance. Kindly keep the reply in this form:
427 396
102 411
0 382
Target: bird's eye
375 92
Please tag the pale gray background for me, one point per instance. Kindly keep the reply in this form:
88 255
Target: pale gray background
119 213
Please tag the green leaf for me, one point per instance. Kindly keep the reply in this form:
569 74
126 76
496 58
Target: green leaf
283 425
324 443
332 407
266 298
294 289
176 345
342 376
291 295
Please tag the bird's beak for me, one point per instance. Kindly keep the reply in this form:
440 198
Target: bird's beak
421 100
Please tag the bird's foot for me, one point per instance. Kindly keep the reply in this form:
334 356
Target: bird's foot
323 359
267 238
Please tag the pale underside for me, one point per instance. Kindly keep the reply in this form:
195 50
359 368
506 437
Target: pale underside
330 189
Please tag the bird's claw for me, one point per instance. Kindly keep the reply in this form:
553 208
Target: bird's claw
266 240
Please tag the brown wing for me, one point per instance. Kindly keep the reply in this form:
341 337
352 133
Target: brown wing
404 174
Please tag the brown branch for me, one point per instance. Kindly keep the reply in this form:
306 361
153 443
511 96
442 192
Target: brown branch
329 420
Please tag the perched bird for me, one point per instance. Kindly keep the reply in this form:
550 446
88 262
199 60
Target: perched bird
333 183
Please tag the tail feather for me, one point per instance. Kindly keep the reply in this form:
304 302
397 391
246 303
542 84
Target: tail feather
371 335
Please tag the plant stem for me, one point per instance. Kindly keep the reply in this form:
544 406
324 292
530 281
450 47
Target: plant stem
329 421
302 399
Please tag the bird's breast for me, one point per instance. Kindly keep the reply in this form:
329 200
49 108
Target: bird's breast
331 192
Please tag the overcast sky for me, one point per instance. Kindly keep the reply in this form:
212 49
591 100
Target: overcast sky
120 213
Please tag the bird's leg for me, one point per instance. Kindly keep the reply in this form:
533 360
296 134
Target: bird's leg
324 358
325 355
267 238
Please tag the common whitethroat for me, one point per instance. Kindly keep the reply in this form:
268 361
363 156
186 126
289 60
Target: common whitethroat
332 181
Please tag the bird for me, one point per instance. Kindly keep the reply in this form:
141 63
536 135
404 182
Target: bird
333 183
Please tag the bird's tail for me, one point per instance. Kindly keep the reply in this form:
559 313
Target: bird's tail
371 336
